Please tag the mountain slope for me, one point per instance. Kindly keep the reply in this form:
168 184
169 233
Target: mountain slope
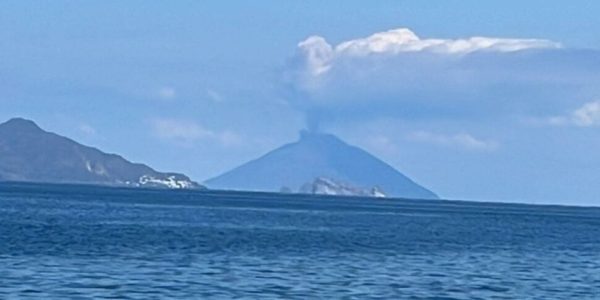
314 156
30 154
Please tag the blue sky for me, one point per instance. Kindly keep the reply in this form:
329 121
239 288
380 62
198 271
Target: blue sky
202 86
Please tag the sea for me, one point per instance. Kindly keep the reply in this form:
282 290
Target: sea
86 242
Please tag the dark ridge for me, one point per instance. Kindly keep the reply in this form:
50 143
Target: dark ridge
30 154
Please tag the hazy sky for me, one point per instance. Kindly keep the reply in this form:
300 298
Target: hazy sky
202 86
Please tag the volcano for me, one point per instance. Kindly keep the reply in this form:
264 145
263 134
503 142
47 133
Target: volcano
318 155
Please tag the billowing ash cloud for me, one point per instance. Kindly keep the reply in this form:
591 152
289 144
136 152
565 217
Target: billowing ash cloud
398 73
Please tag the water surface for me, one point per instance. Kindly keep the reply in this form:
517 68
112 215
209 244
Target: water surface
81 242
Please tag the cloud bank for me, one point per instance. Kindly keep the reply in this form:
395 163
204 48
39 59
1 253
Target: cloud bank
166 93
461 140
186 132
320 55
399 74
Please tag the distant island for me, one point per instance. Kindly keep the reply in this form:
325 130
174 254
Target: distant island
321 163
317 163
30 154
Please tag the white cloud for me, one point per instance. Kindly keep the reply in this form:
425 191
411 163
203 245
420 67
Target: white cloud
382 144
462 140
87 129
404 40
166 93
319 55
587 115
189 131
228 138
180 129
214 95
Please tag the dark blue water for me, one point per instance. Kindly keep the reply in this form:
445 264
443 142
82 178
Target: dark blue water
76 242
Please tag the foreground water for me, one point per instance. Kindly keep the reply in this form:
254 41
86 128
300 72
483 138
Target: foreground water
75 242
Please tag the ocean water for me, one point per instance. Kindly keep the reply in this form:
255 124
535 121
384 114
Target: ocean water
78 242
